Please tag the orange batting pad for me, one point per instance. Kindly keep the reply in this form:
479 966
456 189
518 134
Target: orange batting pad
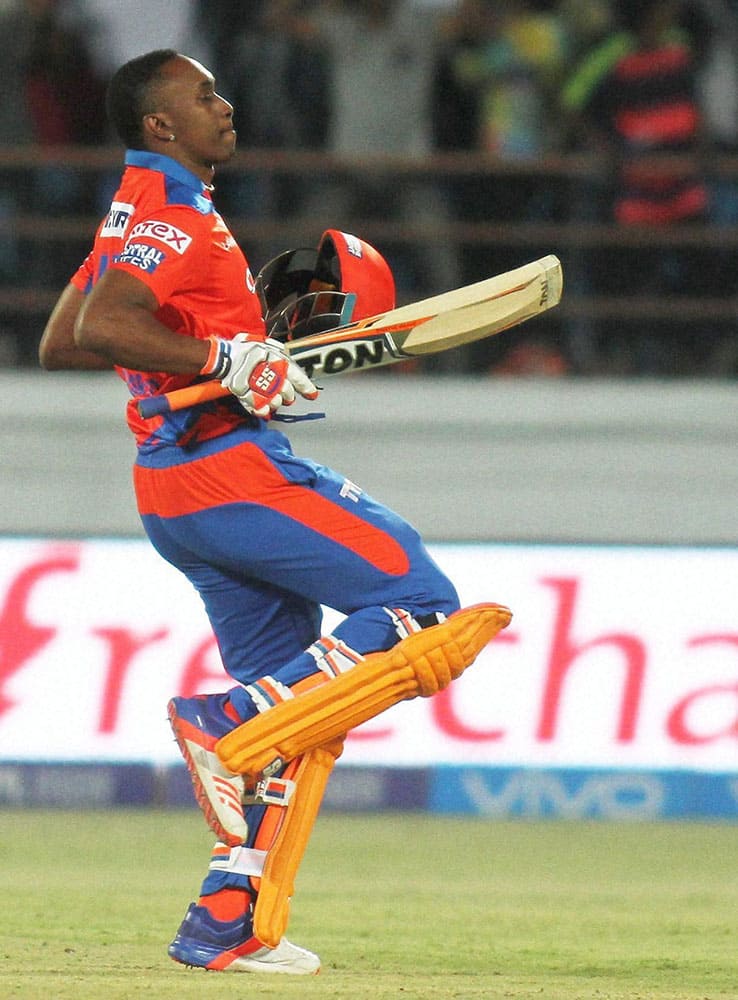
277 883
422 664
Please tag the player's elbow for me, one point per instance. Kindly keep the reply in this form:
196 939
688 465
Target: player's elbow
50 359
95 331
54 361
56 349
88 335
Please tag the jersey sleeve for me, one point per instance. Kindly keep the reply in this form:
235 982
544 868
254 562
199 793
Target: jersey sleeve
167 251
83 277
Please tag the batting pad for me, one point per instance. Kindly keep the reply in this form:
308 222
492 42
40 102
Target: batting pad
422 664
277 883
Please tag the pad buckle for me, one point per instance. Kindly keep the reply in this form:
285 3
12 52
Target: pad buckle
270 792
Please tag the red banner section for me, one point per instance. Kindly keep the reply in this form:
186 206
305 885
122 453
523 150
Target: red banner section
616 657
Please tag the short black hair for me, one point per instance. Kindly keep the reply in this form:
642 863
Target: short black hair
129 91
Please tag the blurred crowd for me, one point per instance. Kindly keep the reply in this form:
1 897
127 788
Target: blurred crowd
626 81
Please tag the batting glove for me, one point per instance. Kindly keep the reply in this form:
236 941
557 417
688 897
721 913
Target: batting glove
259 373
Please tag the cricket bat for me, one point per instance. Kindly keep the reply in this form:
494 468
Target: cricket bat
451 319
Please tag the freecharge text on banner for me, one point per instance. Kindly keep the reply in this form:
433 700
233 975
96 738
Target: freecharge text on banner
616 657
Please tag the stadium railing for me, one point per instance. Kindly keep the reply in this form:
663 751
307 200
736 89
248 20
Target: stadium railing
565 221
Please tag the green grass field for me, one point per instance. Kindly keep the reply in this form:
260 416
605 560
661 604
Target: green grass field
397 906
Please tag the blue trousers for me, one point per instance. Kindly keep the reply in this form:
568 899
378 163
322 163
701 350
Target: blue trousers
267 538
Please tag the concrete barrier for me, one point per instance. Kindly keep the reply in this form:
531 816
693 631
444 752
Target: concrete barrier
465 459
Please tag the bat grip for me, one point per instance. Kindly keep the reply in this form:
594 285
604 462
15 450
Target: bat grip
178 399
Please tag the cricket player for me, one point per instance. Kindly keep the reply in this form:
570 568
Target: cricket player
166 298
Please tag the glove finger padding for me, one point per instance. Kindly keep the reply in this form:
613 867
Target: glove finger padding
273 384
246 357
299 381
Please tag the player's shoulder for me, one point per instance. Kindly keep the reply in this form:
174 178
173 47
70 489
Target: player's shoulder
174 217
180 195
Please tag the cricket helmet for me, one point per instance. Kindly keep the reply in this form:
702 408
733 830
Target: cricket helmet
309 291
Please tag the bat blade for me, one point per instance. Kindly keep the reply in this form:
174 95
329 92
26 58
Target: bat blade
436 324
451 319
488 307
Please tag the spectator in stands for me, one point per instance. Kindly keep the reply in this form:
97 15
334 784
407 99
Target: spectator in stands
119 32
280 77
381 59
52 95
65 96
277 75
718 89
15 129
585 25
635 96
497 72
220 25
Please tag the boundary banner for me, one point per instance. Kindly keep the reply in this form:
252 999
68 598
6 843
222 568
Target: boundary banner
616 658
490 793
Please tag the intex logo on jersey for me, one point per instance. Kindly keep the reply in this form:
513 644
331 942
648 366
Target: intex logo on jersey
117 220
165 233
141 255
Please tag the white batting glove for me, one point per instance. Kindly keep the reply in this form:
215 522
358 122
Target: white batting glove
259 373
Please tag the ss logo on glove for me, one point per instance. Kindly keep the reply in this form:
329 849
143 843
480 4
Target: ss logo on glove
265 380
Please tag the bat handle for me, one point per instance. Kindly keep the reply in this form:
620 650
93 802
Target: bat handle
152 406
178 399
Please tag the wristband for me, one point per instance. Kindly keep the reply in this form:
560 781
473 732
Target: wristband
218 363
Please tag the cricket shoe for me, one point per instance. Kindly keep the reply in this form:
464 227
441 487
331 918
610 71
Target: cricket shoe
198 723
229 946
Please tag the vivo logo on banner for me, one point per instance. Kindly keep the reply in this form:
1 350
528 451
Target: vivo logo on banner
575 794
547 793
616 657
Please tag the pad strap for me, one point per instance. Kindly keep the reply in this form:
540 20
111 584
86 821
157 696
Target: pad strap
270 792
240 860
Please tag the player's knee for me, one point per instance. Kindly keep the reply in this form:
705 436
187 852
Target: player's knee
443 597
438 603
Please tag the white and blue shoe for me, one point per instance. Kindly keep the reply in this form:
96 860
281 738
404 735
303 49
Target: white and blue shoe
229 946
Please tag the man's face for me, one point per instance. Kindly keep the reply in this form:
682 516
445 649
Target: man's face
200 119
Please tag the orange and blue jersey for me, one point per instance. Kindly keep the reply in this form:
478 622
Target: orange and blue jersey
266 537
162 228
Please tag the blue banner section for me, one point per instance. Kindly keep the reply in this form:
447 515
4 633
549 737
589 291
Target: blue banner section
177 784
494 792
583 794
362 789
77 786
351 789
